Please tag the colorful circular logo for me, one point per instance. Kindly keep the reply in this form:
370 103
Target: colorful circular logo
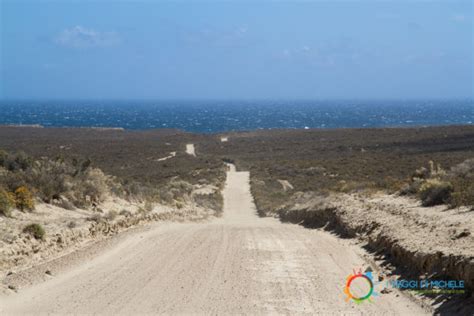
358 275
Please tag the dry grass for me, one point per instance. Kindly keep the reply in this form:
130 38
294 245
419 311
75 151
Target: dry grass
341 160
310 160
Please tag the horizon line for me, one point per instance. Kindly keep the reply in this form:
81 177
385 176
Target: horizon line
471 98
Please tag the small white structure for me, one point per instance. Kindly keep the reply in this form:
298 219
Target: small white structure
190 150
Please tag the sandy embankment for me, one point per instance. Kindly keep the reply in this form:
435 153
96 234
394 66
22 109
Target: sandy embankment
70 230
239 263
426 241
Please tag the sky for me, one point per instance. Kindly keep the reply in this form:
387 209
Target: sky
369 49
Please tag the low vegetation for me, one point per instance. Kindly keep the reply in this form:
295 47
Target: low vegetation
68 183
24 199
435 186
84 164
356 160
7 202
35 230
78 168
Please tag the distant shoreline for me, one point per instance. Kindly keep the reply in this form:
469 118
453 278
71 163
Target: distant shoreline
210 117
79 127
122 129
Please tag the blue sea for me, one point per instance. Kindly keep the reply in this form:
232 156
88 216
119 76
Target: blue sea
219 116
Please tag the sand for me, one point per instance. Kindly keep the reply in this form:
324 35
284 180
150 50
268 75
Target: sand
171 155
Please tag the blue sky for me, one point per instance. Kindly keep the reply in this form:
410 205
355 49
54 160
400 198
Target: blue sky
236 50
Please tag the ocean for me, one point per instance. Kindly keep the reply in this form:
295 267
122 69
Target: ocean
219 116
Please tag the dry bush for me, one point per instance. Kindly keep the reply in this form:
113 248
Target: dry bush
166 196
50 178
213 201
463 193
268 195
462 176
95 185
435 192
24 199
7 202
96 217
438 186
412 187
67 184
35 230
463 170
125 213
111 215
148 206
16 162
353 186
64 203
89 188
172 191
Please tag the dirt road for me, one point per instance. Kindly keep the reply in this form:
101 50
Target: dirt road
237 264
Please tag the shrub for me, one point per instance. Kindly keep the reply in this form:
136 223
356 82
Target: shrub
435 192
24 199
111 215
49 178
413 187
7 201
64 203
17 162
96 217
421 173
212 201
463 193
125 213
148 206
35 230
464 169
3 157
93 187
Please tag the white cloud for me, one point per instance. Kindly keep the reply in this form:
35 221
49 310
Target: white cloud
325 54
241 31
459 18
81 37
218 38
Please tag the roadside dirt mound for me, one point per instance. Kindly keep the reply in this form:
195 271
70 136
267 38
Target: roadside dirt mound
67 231
434 241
